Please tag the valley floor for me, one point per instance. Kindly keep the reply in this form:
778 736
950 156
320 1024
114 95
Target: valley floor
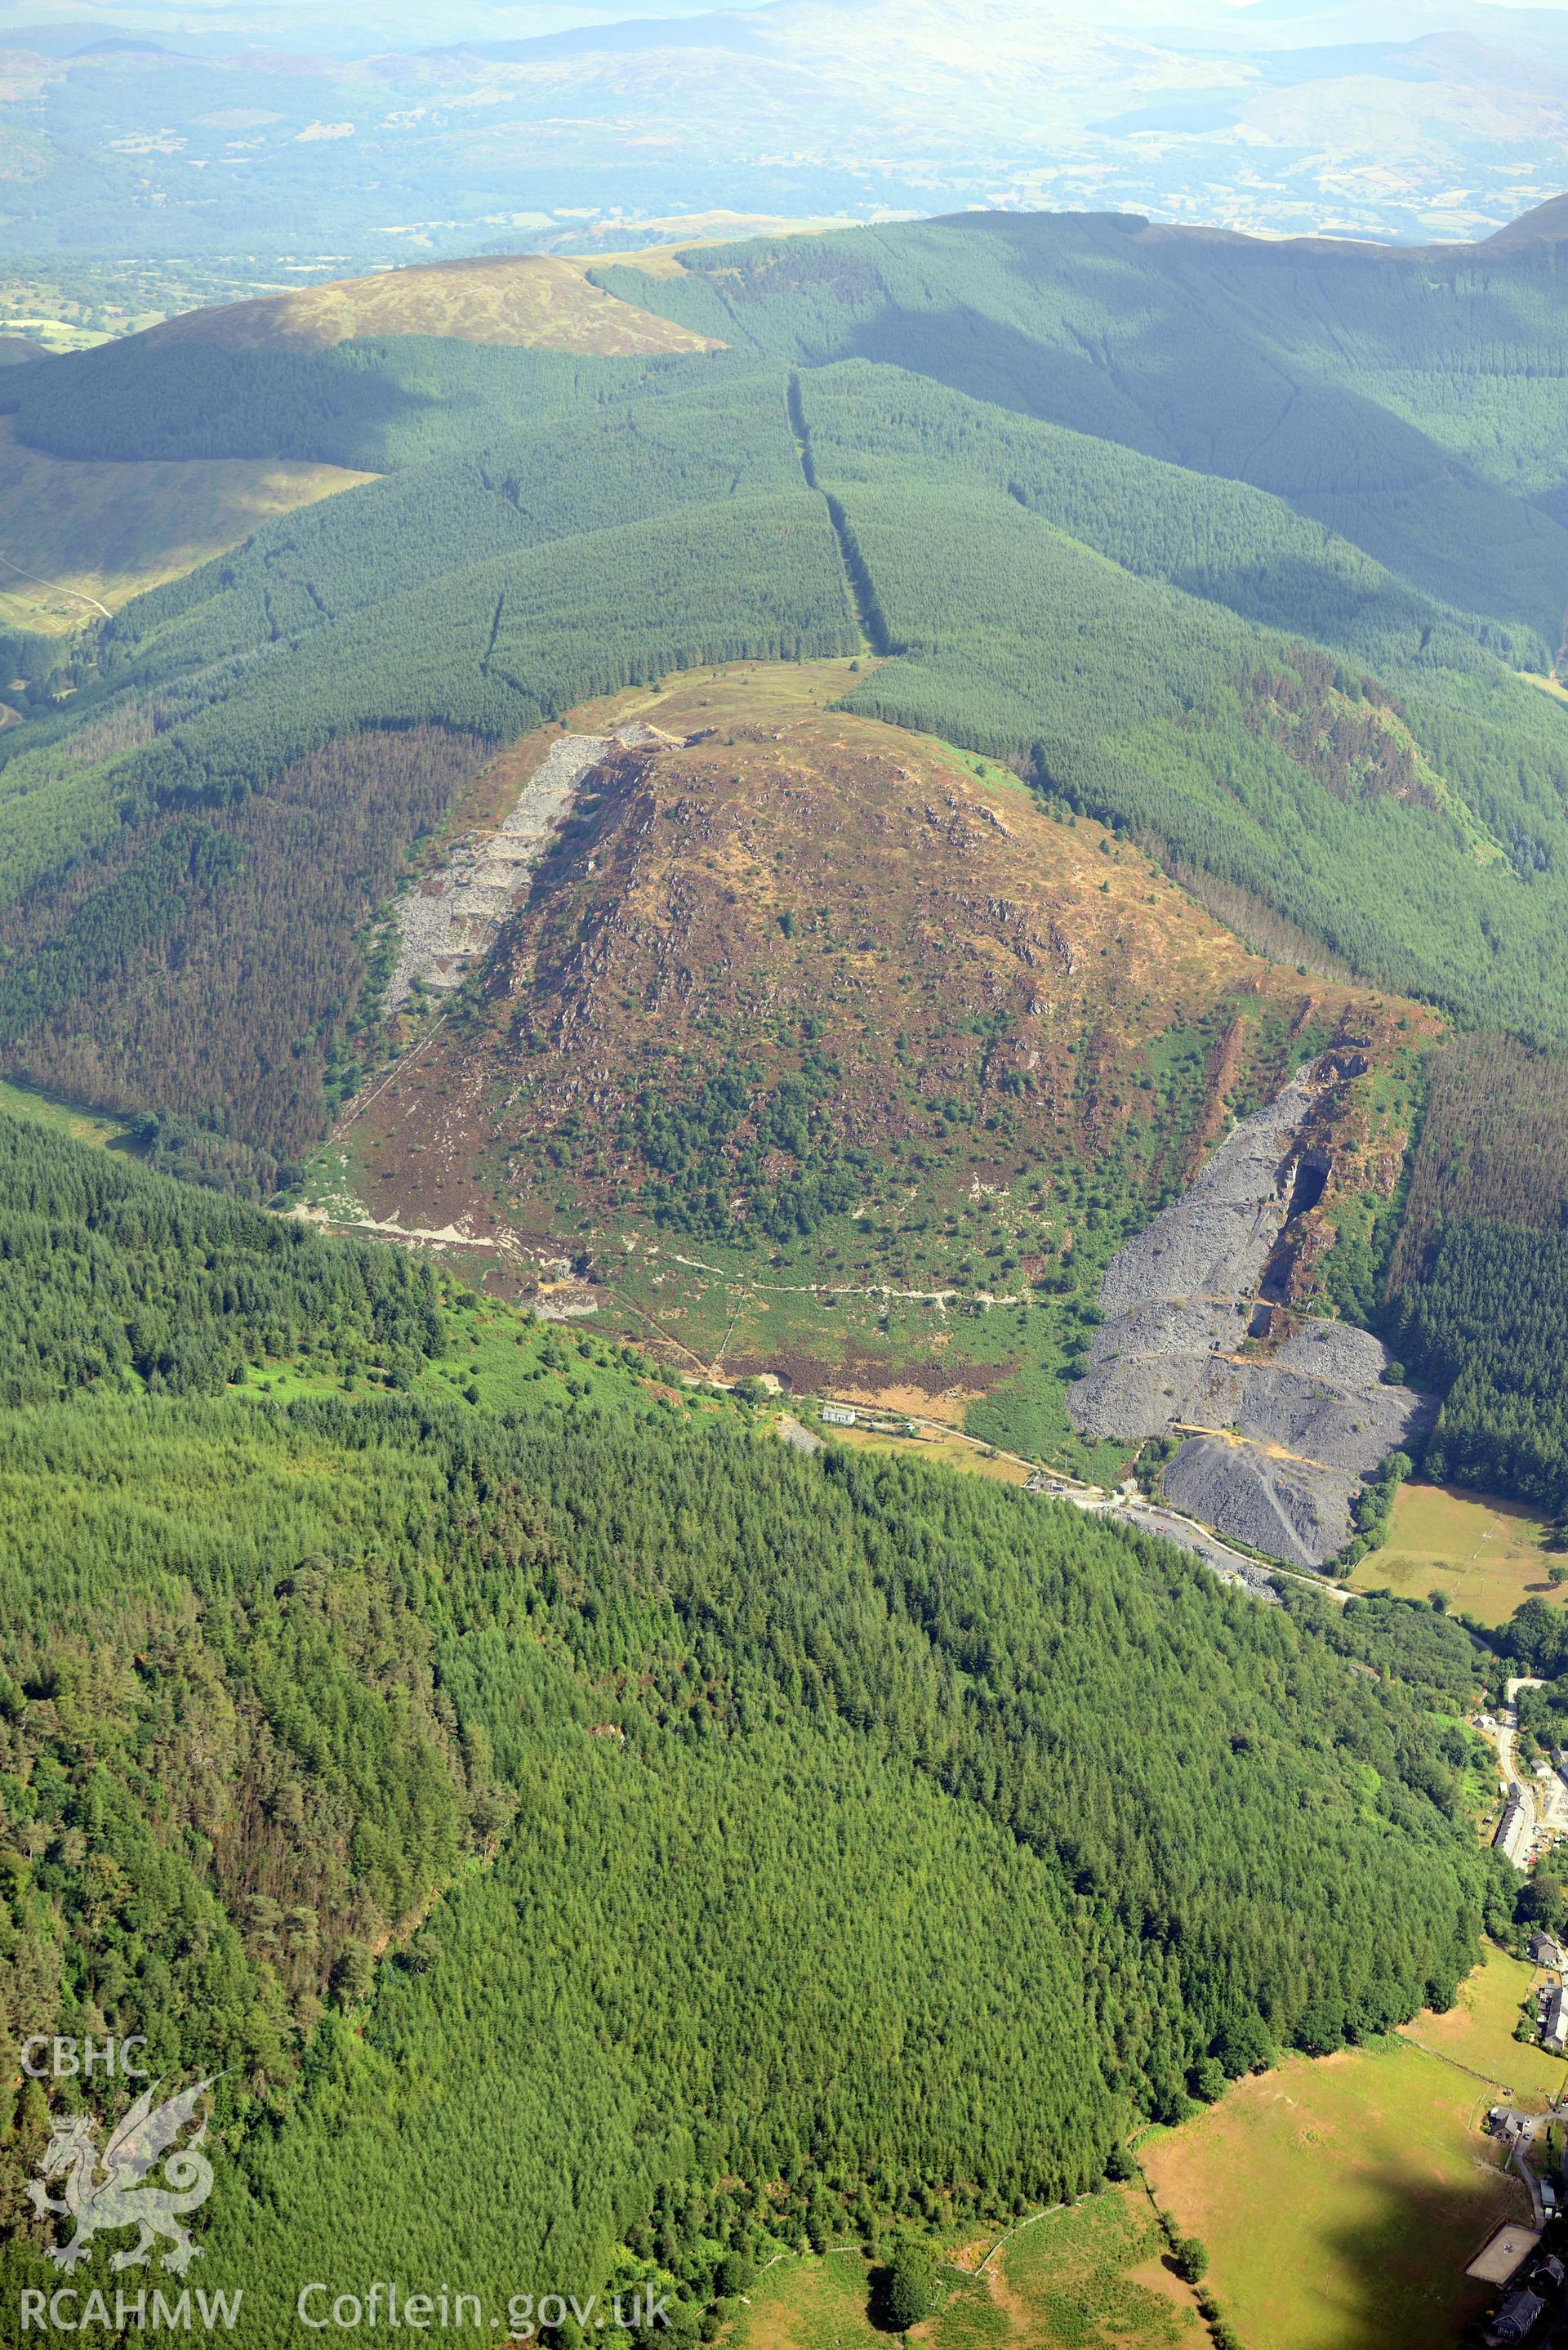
1485 1554
1341 2198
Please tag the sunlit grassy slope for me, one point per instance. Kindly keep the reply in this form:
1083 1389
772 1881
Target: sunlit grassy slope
498 298
94 535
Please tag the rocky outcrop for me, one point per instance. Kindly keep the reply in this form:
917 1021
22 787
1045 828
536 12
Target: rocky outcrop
1278 1437
1213 1244
451 918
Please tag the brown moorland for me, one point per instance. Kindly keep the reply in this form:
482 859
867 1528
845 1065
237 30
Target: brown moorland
532 298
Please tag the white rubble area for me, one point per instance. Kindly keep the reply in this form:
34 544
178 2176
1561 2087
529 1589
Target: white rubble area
1277 1444
452 918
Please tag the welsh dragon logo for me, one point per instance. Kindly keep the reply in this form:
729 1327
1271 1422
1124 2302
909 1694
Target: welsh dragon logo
109 2190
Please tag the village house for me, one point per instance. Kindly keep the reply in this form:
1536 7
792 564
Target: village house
1521 2313
1555 2023
1515 1828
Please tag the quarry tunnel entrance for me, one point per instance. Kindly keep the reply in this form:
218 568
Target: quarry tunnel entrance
1308 1184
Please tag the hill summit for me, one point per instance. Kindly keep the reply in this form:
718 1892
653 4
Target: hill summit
1542 224
527 298
829 1051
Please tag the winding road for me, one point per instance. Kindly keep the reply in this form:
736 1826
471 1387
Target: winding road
55 588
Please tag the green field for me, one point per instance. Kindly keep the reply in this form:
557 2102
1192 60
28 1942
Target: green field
1341 2198
498 1353
1478 2030
63 1117
501 1357
1092 2276
1486 1555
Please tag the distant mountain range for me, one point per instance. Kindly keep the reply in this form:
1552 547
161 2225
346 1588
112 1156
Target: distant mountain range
266 136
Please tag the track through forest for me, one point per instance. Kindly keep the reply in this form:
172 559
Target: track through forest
75 594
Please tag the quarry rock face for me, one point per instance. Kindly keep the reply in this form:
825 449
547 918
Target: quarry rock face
1278 1439
448 925
1211 1246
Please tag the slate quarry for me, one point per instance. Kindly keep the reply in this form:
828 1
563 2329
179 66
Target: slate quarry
1278 1436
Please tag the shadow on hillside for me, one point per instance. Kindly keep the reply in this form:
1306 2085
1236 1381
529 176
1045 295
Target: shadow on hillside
1399 2283
878 2284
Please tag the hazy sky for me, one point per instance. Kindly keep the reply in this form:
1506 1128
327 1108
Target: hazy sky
426 20
357 25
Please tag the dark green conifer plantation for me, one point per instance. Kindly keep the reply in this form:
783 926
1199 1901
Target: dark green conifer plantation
625 1802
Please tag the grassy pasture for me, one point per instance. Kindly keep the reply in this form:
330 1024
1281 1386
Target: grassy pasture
1094 2276
97 535
809 2305
1341 2198
65 1117
1486 1555
46 333
1091 2277
1478 2030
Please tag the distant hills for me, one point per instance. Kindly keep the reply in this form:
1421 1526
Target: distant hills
282 139
1232 462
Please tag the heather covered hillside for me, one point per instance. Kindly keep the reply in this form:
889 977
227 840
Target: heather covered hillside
821 1049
